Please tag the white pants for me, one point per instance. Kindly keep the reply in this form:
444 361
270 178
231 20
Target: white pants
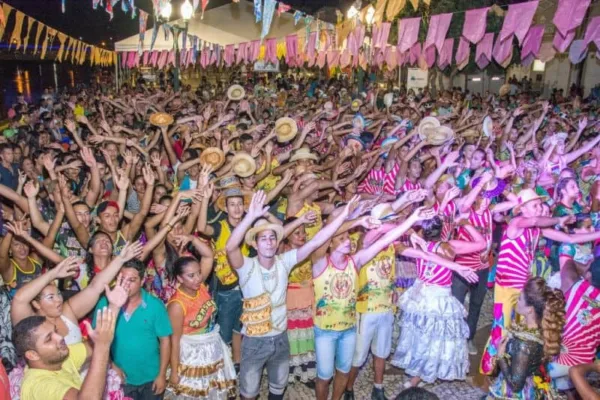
374 333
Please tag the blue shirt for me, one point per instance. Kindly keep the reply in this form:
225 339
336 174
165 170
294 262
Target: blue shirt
136 347
10 177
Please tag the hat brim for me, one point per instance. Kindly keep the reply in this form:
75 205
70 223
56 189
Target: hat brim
243 173
517 208
304 157
212 151
161 119
250 237
221 202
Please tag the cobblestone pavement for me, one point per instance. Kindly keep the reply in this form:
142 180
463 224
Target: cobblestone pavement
394 378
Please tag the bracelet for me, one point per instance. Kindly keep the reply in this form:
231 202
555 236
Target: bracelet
170 227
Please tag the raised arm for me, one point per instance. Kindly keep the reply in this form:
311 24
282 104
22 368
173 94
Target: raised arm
42 250
134 226
21 304
31 190
90 161
256 210
435 175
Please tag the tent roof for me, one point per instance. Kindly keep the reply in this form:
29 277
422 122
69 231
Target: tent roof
231 23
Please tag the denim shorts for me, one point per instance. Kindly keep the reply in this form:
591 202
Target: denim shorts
334 348
229 311
258 352
375 334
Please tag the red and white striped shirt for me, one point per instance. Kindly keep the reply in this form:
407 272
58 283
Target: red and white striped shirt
581 334
431 273
408 186
484 225
447 215
378 181
515 257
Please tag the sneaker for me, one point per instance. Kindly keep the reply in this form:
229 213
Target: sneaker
349 395
472 348
378 394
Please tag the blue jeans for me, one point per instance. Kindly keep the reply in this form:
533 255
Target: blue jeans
334 348
258 352
141 392
229 311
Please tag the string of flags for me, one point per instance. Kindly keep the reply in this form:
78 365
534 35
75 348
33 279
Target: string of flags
323 47
70 49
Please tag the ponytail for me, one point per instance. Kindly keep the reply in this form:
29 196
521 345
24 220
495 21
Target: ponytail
553 321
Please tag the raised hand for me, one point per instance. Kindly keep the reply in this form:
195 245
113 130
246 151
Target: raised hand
88 157
369 222
418 242
96 139
155 160
117 297
104 333
131 250
22 178
31 189
70 125
49 163
148 175
16 228
257 206
309 217
158 208
451 194
68 267
451 158
582 123
422 214
181 241
351 207
122 182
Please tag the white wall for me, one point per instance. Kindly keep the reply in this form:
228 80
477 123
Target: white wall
591 73
557 75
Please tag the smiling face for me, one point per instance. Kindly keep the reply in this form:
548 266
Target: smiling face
190 276
341 243
298 237
19 249
101 245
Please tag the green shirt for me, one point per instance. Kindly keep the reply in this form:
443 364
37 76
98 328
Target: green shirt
136 347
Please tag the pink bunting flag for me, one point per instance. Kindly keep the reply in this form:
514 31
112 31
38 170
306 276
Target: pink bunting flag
333 58
533 41
592 32
463 51
271 50
229 55
390 58
162 59
146 58
154 58
381 34
408 33
171 58
518 20
429 56
569 15
241 53
291 49
321 59
475 24
445 57
578 51
438 28
345 58
282 7
254 50
401 58
502 49
483 52
310 45
415 54
561 43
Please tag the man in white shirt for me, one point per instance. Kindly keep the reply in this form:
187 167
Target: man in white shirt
263 281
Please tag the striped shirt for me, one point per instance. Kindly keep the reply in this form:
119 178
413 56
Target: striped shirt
484 225
447 216
378 181
431 273
408 186
581 334
515 257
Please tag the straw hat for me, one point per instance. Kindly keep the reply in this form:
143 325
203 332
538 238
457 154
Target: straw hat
213 156
388 99
236 92
504 90
488 126
426 124
261 226
440 135
525 196
161 119
383 212
303 153
243 164
227 182
232 192
285 129
198 146
355 105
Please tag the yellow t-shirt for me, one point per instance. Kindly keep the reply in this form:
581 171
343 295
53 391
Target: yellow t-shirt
270 181
41 384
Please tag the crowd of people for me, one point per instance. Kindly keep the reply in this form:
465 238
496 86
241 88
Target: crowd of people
183 244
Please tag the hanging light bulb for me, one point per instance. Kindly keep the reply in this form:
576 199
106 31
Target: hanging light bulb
187 10
165 11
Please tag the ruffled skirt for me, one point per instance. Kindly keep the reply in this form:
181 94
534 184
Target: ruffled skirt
205 369
433 334
300 333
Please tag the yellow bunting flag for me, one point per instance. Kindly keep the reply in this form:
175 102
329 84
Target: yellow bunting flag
30 22
379 9
38 33
393 8
15 37
62 39
48 39
75 51
6 10
415 4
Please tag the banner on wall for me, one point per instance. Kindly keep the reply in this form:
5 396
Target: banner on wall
264 66
417 78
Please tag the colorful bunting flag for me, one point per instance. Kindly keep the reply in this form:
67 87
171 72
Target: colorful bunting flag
268 12
282 7
438 28
475 24
518 20
297 17
258 10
